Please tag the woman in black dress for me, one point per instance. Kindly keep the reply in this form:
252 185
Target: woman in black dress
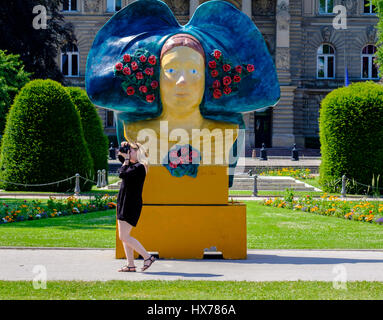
129 203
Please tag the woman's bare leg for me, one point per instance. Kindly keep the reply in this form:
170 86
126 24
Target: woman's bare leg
124 229
129 254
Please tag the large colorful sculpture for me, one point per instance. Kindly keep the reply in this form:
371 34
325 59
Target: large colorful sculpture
181 91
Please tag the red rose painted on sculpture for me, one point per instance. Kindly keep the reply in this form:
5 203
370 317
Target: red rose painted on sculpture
126 57
172 164
214 73
127 71
238 69
216 84
217 54
152 60
139 75
226 80
217 93
149 71
150 98
227 90
154 84
134 66
143 58
226 67
143 89
237 78
250 68
130 91
212 64
119 66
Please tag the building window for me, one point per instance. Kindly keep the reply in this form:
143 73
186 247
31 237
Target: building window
109 119
368 7
326 6
326 62
70 60
369 68
70 5
113 5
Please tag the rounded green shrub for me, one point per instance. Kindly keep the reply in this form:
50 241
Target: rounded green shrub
93 130
43 141
351 137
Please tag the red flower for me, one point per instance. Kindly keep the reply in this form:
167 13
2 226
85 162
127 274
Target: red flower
149 71
142 58
154 84
238 69
139 75
127 71
212 64
194 154
217 94
150 98
227 90
217 54
226 67
152 60
214 73
130 91
143 89
126 57
134 66
216 84
119 66
250 68
226 80
237 78
173 165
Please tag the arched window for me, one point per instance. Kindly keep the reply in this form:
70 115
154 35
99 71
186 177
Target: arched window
70 60
368 7
326 6
113 5
369 68
70 5
326 62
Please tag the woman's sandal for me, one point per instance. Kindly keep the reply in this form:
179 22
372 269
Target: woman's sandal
151 259
127 269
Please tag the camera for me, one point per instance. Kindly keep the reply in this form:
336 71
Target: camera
123 149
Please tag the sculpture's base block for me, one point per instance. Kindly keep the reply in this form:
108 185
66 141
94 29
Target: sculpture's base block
184 231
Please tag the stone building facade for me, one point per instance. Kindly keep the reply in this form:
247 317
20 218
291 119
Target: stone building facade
309 50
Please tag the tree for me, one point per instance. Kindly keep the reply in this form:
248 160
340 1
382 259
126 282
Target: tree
43 141
351 136
12 79
93 131
37 47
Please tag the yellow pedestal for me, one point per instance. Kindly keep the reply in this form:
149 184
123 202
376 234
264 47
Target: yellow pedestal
210 186
183 232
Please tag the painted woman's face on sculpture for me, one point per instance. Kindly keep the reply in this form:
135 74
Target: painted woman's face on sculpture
182 80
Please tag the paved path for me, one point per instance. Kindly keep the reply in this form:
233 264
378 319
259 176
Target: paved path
260 265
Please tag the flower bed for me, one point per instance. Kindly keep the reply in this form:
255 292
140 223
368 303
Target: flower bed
333 206
290 172
35 209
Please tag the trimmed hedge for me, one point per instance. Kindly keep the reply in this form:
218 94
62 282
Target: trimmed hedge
351 136
44 141
93 130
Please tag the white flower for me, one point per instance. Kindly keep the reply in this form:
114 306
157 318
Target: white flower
38 216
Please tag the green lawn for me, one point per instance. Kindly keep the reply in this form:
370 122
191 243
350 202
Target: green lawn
190 290
267 228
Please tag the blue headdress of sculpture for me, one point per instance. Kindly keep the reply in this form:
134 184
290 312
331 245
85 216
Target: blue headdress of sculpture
147 24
